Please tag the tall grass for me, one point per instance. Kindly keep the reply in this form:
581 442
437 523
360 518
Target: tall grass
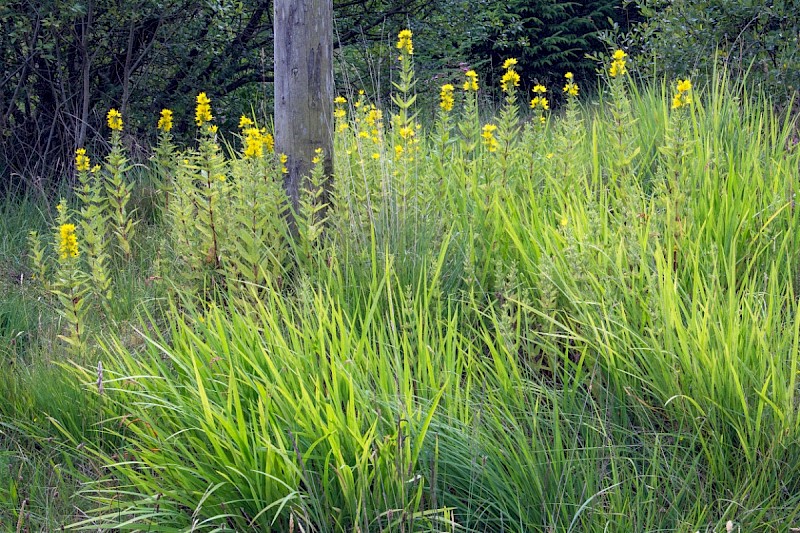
593 328
553 338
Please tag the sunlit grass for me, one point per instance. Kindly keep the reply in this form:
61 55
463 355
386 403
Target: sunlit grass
589 325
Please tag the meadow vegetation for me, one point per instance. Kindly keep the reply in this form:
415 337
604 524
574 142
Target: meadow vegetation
581 318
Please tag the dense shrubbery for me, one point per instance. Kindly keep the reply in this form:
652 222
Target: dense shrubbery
704 37
548 37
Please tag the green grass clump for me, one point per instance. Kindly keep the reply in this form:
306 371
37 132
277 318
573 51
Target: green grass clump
585 322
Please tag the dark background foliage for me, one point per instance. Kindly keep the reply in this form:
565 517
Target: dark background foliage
64 63
753 38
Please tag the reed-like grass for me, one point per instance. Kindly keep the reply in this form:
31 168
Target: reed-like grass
593 328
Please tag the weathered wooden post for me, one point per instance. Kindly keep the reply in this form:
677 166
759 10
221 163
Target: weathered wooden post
303 88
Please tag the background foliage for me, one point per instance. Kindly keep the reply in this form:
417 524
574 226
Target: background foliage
66 62
698 36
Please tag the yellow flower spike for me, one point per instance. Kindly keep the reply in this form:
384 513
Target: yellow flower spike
95 169
404 43
472 81
406 132
340 100
203 110
269 142
539 89
68 241
510 62
510 79
317 156
245 122
81 160
618 64
488 137
254 143
375 115
165 121
446 97
540 101
683 96
571 88
114 119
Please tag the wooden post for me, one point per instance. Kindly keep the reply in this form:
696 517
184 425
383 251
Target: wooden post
303 88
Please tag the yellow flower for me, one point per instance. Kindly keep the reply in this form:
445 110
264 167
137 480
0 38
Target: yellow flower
510 62
339 113
95 169
540 101
269 141
114 118
203 111
571 88
510 79
212 129
253 142
618 65
283 158
81 160
317 156
446 96
539 89
488 137
404 42
472 81
165 121
406 132
683 96
374 115
340 100
398 150
68 241
244 122
376 156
